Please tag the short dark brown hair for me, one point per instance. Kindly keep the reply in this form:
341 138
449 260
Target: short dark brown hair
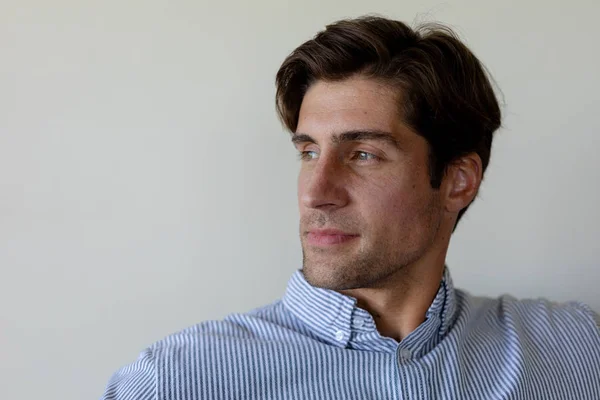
444 90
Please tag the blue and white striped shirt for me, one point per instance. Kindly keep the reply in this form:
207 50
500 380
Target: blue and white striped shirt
317 344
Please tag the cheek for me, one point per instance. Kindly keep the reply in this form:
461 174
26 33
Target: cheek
395 205
301 185
381 201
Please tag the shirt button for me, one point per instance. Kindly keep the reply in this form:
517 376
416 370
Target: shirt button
405 354
359 322
339 336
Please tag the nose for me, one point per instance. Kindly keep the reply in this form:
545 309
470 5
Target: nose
322 185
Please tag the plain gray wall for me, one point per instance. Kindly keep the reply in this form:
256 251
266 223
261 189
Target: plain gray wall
146 184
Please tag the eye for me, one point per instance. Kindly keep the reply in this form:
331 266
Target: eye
307 155
364 156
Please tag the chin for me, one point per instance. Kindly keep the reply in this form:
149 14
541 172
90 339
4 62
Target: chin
319 274
333 277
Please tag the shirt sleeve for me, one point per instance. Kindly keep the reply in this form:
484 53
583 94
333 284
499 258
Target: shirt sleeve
136 381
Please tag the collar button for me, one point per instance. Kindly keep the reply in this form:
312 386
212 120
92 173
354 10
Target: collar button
404 354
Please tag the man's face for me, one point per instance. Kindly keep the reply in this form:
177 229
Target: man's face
367 209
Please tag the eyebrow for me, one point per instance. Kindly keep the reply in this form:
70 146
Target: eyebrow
352 136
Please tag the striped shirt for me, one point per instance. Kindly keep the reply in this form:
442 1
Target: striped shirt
317 344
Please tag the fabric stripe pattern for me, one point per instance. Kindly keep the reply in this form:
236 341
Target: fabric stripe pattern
317 344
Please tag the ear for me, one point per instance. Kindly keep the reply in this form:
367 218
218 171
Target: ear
461 182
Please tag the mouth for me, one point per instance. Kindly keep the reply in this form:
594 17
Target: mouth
328 237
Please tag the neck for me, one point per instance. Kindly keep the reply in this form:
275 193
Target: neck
399 304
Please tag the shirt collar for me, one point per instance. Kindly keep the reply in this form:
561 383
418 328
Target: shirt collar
333 317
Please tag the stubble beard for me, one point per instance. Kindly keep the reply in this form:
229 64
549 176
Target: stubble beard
368 263
351 270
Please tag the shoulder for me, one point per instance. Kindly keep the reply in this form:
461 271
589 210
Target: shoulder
571 315
271 323
539 323
233 326
542 345
201 344
528 314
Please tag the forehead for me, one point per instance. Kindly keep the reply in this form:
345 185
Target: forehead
354 103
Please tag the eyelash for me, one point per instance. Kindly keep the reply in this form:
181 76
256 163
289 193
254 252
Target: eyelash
303 156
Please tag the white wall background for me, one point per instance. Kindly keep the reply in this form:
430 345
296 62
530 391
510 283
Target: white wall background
146 184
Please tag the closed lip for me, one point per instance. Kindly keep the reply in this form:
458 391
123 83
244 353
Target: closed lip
329 232
329 237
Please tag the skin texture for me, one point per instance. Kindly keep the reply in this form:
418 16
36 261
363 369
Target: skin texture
377 190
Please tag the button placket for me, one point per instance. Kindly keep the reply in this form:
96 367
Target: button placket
404 354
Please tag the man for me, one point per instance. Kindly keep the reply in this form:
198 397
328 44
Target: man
394 129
